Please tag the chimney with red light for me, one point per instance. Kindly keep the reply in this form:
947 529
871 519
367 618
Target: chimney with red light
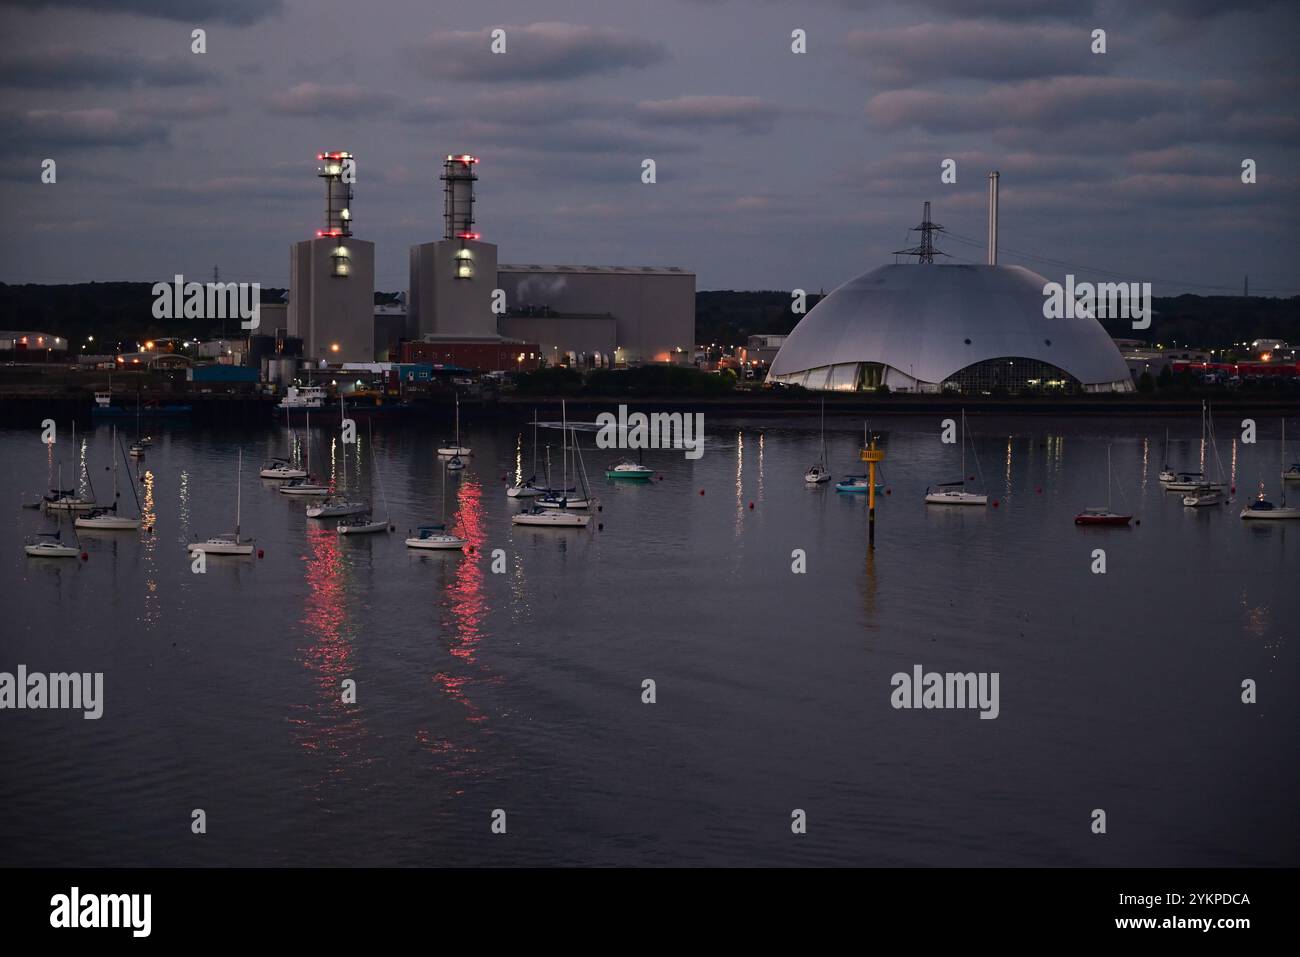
458 197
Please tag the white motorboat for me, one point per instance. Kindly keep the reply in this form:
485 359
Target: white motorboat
303 397
49 545
435 538
455 448
337 506
230 543
551 518
938 495
954 493
281 469
363 525
1203 495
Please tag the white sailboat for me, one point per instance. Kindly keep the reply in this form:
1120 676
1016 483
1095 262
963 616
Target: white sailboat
1196 481
564 498
1262 509
456 448
49 545
365 524
305 485
818 472
436 537
557 513
70 499
230 544
954 493
1167 474
1291 473
106 517
283 468
527 488
339 504
1209 493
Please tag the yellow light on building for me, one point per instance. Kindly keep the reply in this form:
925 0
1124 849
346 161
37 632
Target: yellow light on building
334 347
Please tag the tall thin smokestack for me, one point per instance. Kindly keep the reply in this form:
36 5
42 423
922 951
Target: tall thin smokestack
458 197
993 218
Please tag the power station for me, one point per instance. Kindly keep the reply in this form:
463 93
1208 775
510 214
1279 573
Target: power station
462 307
332 277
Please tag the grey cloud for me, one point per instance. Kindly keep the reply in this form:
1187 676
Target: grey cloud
41 130
974 49
67 67
555 51
749 114
1041 105
236 12
315 99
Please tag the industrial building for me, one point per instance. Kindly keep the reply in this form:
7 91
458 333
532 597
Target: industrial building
332 277
572 315
931 328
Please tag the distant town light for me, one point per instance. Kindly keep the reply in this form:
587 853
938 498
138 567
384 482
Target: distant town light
334 347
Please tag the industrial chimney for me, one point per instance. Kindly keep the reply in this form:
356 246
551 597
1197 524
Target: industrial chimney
458 197
993 218
338 206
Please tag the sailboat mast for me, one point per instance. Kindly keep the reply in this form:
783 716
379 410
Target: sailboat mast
1108 508
239 472
963 449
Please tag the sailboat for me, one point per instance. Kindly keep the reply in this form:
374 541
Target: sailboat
561 498
106 517
69 499
1262 508
283 468
1291 474
230 544
954 493
556 513
527 487
305 485
141 442
365 524
456 448
436 537
1102 516
1195 481
1209 493
818 472
1167 474
339 504
49 545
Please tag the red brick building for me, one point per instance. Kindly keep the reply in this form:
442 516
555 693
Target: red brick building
482 355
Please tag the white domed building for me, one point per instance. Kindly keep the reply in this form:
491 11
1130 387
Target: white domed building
921 327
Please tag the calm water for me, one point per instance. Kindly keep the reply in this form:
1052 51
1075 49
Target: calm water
522 690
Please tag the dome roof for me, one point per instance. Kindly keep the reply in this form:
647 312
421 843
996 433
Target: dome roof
930 321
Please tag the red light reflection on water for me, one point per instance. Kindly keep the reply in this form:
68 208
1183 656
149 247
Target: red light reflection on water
328 725
465 593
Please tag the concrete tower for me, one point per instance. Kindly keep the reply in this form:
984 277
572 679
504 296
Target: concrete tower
452 280
332 277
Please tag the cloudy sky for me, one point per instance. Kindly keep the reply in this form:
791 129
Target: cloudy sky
775 170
